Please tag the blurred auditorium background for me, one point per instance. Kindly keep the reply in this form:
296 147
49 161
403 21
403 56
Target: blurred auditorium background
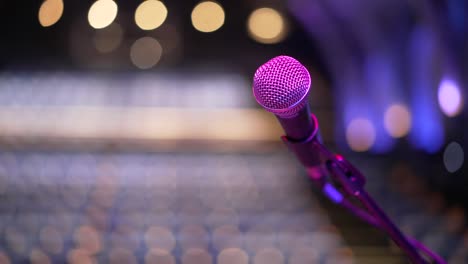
129 133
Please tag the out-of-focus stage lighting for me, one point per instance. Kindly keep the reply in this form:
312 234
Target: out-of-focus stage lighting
80 255
38 256
145 52
450 99
397 120
150 14
207 16
109 38
266 25
196 255
4 258
454 157
158 255
102 13
360 134
50 12
88 238
51 240
233 255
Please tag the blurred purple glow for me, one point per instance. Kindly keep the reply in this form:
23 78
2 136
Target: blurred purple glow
427 132
450 100
383 86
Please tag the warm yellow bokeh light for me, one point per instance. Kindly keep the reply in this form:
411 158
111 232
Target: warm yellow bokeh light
397 121
150 14
145 52
207 16
360 134
266 25
50 12
102 13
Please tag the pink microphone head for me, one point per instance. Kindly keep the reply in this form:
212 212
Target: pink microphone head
281 86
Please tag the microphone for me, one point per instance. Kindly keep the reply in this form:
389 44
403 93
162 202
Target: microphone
282 86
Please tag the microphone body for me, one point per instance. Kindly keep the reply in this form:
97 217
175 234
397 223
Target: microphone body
299 127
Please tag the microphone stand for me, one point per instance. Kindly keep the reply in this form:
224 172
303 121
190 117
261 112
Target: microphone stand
352 182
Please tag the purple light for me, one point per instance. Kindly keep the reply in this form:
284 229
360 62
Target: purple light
449 96
427 131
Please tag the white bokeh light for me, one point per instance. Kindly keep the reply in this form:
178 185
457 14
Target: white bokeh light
454 157
450 98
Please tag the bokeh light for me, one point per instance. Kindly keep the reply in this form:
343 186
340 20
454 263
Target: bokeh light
303 254
269 256
108 39
4 259
146 52
15 240
360 134
50 12
102 13
397 120
79 256
87 238
121 255
207 16
450 99
454 157
226 236
266 25
51 240
196 256
37 256
150 14
193 236
233 255
160 237
159 256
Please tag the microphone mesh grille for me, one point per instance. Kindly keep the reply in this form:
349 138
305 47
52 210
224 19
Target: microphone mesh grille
281 86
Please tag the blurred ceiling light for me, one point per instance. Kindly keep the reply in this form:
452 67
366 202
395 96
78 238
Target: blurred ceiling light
360 134
454 157
50 12
150 14
207 16
397 120
145 52
109 38
450 99
102 13
266 25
